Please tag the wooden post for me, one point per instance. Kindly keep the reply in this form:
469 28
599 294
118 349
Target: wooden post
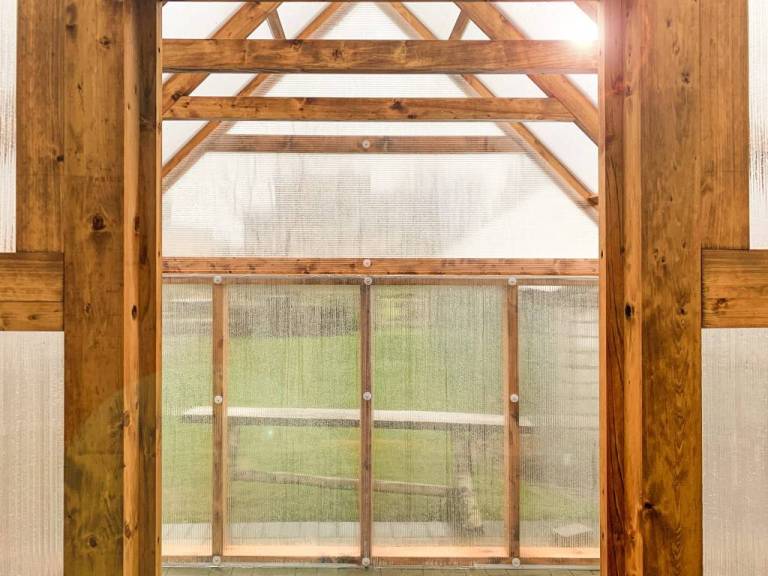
512 418
366 424
103 180
220 475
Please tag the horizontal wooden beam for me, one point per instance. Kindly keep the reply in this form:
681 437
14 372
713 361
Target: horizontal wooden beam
31 316
735 288
381 266
364 144
31 277
368 109
380 56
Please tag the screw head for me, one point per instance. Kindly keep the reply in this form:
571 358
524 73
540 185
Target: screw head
367 263
367 396
512 281
516 562
218 399
514 398
368 281
366 144
217 560
366 562
217 279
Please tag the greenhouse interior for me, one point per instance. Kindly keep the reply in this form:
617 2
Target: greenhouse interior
305 288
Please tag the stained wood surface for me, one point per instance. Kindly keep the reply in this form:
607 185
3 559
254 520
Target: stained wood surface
31 277
101 254
364 144
380 56
366 422
220 474
40 125
31 316
497 26
735 286
382 266
651 285
512 423
367 109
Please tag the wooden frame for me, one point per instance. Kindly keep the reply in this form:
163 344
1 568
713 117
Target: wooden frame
381 556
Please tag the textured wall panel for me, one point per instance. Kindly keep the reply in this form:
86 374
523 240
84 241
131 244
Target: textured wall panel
7 125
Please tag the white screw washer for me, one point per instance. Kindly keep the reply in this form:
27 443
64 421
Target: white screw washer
367 263
516 562
216 560
368 281
367 396
514 398
217 279
218 399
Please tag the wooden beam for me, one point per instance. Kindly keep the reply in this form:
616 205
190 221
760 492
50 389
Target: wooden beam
496 26
276 26
589 8
31 316
220 474
364 144
150 289
366 423
380 56
735 288
31 277
725 123
102 237
240 25
651 443
40 125
511 400
380 266
367 109
460 26
201 135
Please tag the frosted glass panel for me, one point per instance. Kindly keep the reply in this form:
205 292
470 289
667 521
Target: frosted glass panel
735 400
329 205
294 428
559 390
187 441
7 125
31 453
758 87
438 444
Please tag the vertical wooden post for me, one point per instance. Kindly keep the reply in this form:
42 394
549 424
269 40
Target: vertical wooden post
220 476
366 425
40 125
150 288
102 238
512 418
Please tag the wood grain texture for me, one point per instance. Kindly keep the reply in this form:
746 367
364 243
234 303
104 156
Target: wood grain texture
40 125
366 424
31 316
381 266
220 474
510 354
725 124
497 26
379 56
651 285
101 254
240 25
364 144
367 109
735 288
150 289
32 277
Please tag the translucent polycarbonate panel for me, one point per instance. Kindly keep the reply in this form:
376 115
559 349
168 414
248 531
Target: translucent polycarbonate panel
32 453
758 87
572 147
438 444
7 125
558 372
367 21
364 128
550 20
187 430
295 16
294 420
735 403
439 17
196 19
462 205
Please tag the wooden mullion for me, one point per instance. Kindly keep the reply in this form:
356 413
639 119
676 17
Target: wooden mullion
366 425
220 473
512 418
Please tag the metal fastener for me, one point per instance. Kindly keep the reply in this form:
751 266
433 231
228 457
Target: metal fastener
218 399
366 562
516 562
514 398
217 279
366 144
367 263
367 396
216 560
512 281
368 281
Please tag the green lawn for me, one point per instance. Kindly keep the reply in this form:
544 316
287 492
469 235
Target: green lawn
434 349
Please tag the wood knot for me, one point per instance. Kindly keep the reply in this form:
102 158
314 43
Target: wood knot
98 223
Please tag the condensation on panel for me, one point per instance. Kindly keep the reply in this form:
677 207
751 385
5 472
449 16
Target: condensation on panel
187 440
438 447
294 425
735 404
758 87
331 205
559 390
31 453
7 125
